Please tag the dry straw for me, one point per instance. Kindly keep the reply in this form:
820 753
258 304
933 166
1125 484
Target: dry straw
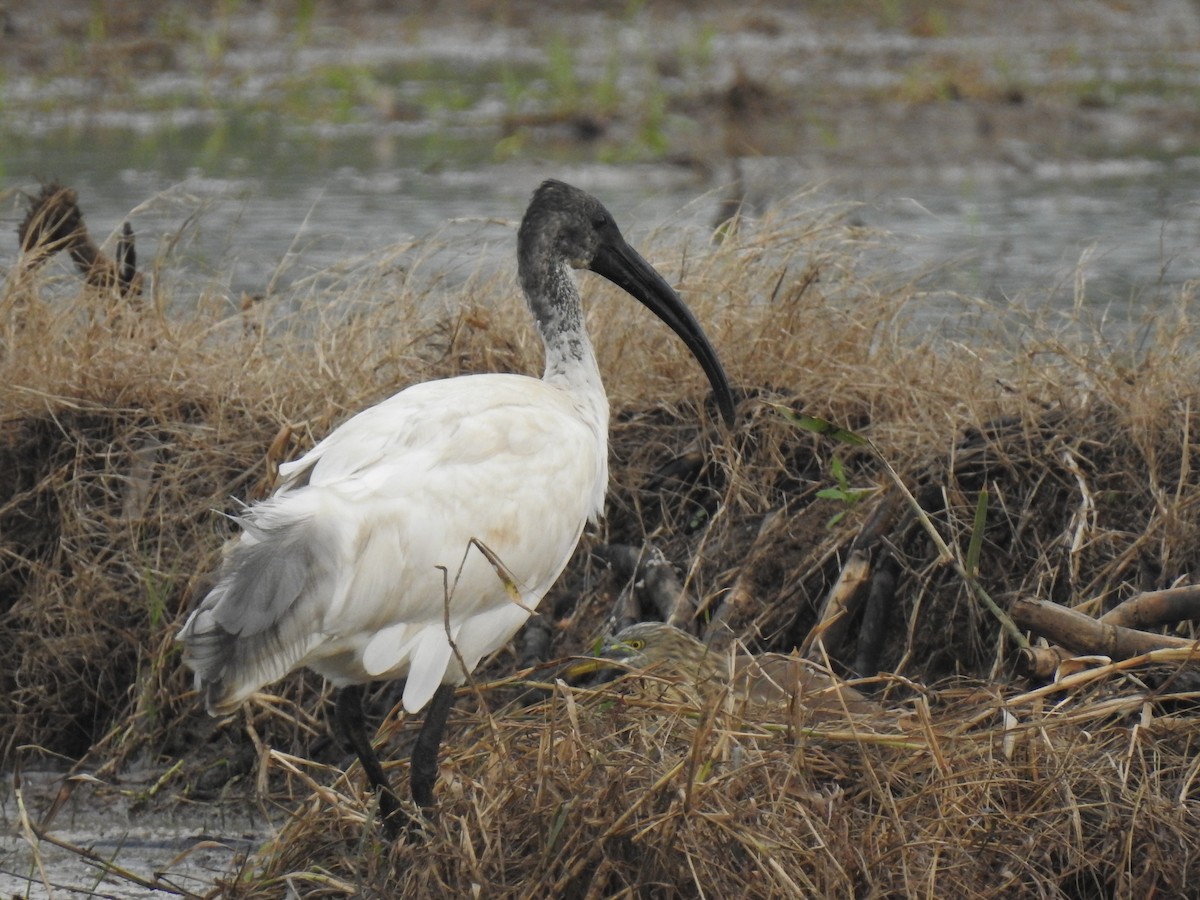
126 432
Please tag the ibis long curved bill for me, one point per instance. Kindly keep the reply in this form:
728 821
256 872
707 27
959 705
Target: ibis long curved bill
626 268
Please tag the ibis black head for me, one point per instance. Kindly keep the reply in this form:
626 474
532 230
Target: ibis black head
564 225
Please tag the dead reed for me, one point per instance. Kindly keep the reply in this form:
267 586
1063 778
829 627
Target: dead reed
125 432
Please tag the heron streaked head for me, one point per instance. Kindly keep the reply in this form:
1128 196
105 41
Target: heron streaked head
673 656
651 645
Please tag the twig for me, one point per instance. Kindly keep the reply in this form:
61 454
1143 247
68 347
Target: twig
872 630
1154 608
738 601
650 571
110 868
850 590
945 555
1083 634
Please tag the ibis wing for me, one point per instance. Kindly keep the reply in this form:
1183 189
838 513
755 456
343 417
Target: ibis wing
252 628
350 566
431 422
269 568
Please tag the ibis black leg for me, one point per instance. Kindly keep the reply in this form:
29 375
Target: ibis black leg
349 717
424 766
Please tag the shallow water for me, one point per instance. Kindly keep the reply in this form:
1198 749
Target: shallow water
1130 229
180 847
1008 202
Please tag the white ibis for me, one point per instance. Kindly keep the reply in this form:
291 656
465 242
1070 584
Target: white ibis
345 568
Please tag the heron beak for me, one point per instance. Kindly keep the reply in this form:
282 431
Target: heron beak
609 657
625 267
583 667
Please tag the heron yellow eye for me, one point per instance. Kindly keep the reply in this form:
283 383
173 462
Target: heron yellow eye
636 644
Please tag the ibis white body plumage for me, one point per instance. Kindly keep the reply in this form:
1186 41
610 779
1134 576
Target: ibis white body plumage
355 564
362 565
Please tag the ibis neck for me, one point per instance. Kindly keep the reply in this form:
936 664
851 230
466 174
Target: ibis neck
571 363
570 359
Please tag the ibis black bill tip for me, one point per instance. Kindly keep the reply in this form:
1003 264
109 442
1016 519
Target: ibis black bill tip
625 267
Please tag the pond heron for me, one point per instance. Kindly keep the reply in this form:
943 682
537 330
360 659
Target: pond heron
773 679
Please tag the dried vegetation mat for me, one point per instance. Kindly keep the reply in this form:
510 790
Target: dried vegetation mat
1043 462
1052 792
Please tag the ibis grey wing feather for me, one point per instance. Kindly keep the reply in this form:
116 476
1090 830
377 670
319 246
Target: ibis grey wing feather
266 573
248 631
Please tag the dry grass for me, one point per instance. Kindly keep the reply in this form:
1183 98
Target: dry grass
126 431
606 794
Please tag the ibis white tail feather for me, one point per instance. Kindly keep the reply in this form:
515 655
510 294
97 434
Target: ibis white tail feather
427 666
